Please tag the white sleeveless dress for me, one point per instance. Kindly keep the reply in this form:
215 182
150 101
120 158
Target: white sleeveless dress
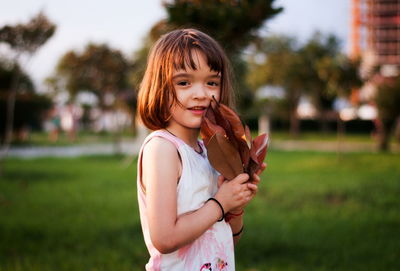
214 249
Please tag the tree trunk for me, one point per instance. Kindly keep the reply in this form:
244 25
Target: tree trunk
117 134
340 133
133 124
8 134
397 130
323 121
384 135
294 123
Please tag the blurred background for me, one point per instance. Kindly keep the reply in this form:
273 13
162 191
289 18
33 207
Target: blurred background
321 77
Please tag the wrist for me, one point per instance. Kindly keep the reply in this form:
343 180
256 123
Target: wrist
230 215
220 207
239 232
223 203
236 212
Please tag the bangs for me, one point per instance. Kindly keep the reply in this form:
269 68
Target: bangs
184 55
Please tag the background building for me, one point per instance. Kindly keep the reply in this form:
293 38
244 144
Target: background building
375 35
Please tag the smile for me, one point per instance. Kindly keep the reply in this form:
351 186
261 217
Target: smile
198 110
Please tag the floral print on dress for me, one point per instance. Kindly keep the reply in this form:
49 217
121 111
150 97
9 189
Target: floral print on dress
220 264
206 266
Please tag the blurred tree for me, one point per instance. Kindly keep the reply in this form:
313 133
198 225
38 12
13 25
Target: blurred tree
341 76
23 40
276 62
98 69
54 86
332 73
316 69
316 53
102 71
8 69
30 107
387 101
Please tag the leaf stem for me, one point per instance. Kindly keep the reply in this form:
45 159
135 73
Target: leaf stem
215 100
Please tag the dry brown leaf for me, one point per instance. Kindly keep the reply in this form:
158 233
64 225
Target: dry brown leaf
224 157
230 148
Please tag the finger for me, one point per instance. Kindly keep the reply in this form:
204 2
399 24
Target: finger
245 195
256 179
249 194
241 178
221 180
261 169
249 197
252 187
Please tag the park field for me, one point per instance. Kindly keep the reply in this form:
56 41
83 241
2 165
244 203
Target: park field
314 211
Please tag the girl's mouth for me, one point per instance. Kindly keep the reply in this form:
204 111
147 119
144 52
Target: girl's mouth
198 110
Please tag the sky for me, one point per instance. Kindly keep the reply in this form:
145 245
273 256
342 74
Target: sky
123 24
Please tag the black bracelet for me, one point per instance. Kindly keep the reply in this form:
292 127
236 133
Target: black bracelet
220 206
238 233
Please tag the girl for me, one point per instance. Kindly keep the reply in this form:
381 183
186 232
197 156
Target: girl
190 216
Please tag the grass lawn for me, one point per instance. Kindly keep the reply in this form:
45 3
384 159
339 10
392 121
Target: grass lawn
313 212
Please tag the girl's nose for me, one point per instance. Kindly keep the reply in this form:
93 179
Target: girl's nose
200 92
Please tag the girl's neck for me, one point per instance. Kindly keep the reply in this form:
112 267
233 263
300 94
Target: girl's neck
189 136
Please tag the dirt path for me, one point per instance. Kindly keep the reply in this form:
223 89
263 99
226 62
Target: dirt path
132 148
329 146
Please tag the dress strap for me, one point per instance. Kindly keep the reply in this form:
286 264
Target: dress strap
164 134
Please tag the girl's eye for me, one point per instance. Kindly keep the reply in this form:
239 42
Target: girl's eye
213 84
183 83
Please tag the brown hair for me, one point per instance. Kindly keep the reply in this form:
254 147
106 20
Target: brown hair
174 51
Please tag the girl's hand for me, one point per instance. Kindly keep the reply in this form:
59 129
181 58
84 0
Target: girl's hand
235 193
252 187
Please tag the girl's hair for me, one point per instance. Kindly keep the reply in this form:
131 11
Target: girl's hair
174 51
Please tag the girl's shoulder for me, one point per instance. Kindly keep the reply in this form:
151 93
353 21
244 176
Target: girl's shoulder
163 136
161 147
159 157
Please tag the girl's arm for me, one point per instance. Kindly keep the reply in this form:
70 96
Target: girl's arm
161 169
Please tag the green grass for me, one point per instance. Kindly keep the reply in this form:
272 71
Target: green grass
69 214
313 212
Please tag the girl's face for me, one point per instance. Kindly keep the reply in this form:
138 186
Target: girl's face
194 90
